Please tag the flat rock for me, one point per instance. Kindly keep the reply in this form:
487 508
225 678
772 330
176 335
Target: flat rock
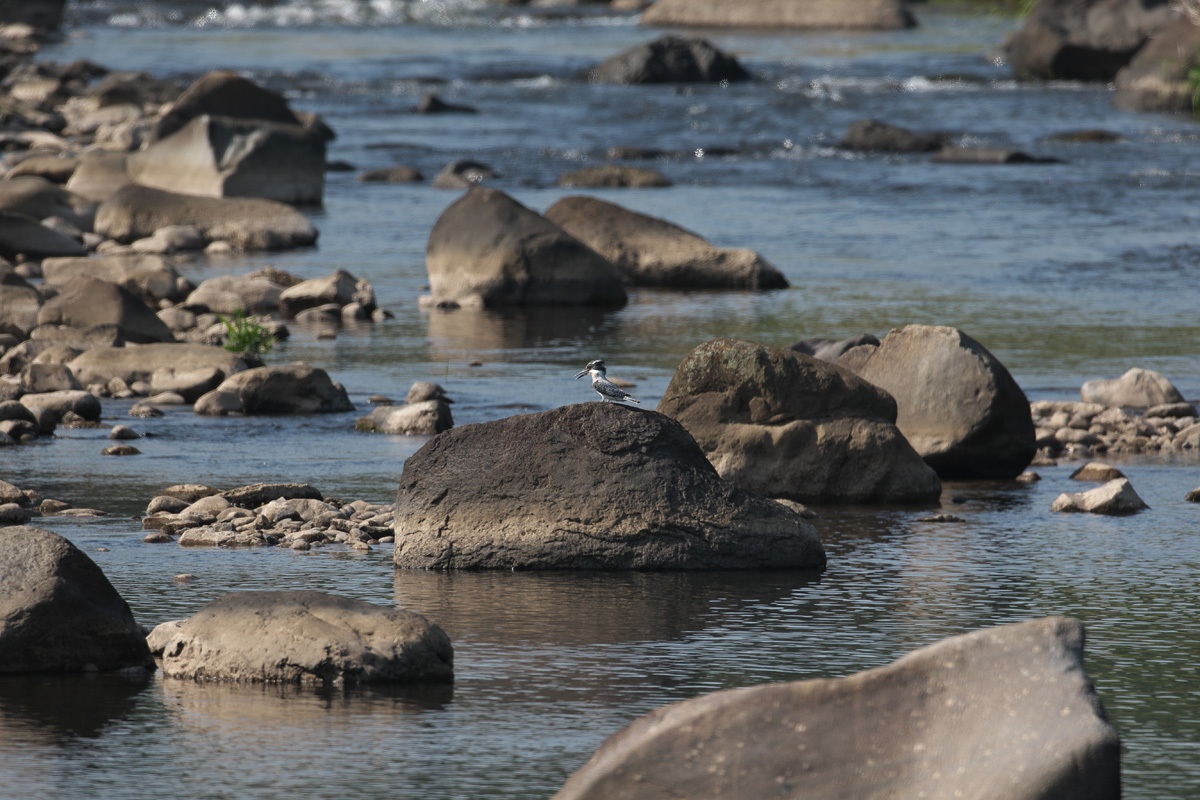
1004 713
588 486
1116 497
649 251
302 637
1097 472
58 611
151 277
132 364
783 424
259 494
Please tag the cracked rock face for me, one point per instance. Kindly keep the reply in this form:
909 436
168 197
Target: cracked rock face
588 486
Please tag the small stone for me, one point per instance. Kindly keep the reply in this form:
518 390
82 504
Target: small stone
156 537
942 518
301 544
1095 471
185 577
361 547
123 432
120 450
380 400
1028 476
144 411
49 506
1114 497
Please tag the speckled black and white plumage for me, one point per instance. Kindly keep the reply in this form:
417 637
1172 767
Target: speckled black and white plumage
608 391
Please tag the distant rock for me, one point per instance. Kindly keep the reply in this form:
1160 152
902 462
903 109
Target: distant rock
151 277
614 176
1095 471
463 174
649 251
939 722
230 294
832 349
400 174
251 223
430 103
339 288
311 638
102 364
1116 497
958 405
873 136
294 389
486 249
587 486
774 14
1158 77
1088 40
58 611
670 59
786 425
1137 388
987 155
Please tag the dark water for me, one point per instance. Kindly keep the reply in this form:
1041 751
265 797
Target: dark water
1066 272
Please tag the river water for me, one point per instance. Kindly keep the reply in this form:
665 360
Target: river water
1066 272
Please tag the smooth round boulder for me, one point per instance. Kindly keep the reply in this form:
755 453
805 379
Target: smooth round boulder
649 251
1137 388
787 425
587 486
292 389
486 249
1006 713
58 611
670 59
308 638
957 404
775 14
84 404
86 302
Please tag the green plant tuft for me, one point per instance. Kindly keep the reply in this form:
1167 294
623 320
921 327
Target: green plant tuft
1193 79
246 335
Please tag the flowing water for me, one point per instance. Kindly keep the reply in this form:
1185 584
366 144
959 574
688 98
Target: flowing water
1066 272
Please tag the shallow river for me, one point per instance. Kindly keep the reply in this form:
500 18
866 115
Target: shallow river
1066 272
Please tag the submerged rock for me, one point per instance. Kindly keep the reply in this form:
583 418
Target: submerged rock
1005 713
614 176
589 486
305 638
787 425
58 611
873 136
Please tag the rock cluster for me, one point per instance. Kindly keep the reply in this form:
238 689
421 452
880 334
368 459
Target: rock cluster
1075 429
259 515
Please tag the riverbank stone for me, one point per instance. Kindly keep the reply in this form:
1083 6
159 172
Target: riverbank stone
486 249
303 637
292 389
787 425
1006 713
587 486
648 251
58 611
957 404
141 363
1158 77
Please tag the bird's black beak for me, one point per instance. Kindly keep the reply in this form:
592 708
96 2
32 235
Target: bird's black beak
581 374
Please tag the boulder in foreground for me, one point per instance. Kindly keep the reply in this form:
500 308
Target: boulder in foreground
772 14
300 637
1004 713
251 223
486 249
649 251
787 425
958 406
58 611
588 486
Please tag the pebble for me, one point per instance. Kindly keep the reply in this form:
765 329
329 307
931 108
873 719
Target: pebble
185 577
120 450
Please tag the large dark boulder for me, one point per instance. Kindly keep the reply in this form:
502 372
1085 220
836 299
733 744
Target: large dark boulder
292 389
1085 40
85 302
958 405
309 638
670 59
787 425
58 612
1004 713
251 223
588 486
1157 79
774 14
650 251
486 249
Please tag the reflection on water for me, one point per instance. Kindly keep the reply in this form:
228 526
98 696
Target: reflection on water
456 333
55 709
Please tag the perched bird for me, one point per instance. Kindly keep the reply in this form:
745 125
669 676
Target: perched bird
604 387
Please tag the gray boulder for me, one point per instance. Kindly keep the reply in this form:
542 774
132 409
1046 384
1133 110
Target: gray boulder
60 403
190 384
1116 497
1086 40
229 294
310 638
649 251
1158 77
670 59
486 249
1005 713
786 425
422 418
42 377
773 14
873 136
151 277
19 304
86 302
958 406
223 157
39 198
588 486
100 174
25 236
58 612
132 364
251 223
1137 388
293 389
339 287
